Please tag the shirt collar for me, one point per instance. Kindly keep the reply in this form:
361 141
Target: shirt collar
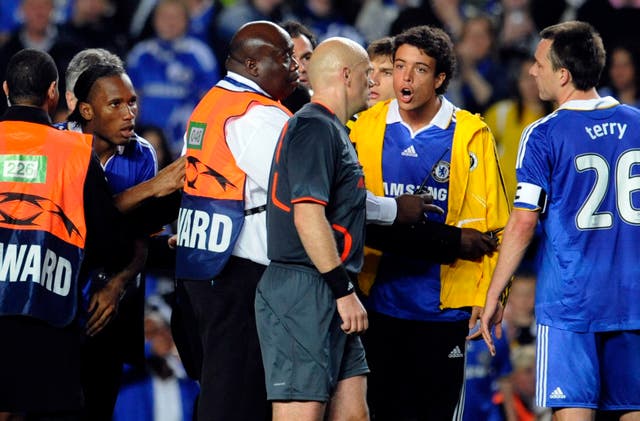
25 113
589 104
442 119
245 81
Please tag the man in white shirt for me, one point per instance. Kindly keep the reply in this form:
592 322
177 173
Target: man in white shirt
221 247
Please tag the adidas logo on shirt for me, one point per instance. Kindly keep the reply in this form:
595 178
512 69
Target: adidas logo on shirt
557 394
456 353
410 151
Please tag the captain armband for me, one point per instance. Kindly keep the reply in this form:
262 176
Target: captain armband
339 281
531 197
504 295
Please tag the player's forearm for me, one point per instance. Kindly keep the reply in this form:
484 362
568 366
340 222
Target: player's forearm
316 235
517 236
122 278
129 199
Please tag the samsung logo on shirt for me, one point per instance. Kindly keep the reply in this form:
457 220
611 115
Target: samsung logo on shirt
396 189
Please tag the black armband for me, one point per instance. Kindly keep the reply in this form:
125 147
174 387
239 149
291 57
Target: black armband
339 281
504 295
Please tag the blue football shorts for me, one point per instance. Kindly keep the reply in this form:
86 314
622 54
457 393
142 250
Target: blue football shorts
597 370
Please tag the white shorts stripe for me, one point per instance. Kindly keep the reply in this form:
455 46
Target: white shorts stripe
459 411
541 365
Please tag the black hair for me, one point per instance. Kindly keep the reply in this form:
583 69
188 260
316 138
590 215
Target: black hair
380 47
85 83
29 75
435 43
577 47
295 29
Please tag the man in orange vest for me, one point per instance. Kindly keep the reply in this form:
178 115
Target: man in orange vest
221 246
57 222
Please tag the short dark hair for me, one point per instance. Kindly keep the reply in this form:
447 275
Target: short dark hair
86 81
577 47
381 47
435 43
29 75
295 29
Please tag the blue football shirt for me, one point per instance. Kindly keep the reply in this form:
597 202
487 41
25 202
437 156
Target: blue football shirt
409 288
580 166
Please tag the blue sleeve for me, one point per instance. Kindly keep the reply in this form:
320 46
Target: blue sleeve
149 167
533 166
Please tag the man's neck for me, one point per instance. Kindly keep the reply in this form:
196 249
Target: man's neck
103 148
422 116
573 94
335 103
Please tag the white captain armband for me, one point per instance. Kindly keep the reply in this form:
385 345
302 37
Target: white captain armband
529 196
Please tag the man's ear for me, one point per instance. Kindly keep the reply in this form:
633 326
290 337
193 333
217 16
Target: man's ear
565 76
86 110
346 75
5 88
440 78
53 90
252 66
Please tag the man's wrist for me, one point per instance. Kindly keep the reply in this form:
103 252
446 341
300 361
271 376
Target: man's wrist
504 295
339 282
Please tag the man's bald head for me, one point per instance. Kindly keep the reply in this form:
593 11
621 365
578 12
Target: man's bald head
339 71
331 57
263 52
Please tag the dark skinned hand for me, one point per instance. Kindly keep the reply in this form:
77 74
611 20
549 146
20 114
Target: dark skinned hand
412 207
475 244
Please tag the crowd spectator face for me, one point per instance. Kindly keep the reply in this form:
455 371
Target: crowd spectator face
320 8
302 50
158 334
111 109
382 77
89 10
414 78
170 20
477 39
266 7
523 377
37 15
622 70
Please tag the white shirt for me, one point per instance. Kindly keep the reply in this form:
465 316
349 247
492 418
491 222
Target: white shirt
252 139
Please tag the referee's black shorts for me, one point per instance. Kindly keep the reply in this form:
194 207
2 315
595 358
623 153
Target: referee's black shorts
304 350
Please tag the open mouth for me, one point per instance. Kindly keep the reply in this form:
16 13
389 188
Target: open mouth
127 132
405 94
